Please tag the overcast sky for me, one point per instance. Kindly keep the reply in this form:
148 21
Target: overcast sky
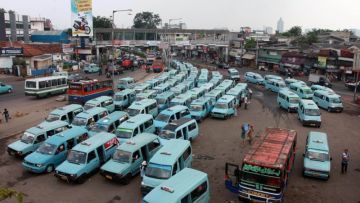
208 14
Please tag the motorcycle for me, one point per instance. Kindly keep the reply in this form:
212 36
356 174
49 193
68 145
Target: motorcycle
82 24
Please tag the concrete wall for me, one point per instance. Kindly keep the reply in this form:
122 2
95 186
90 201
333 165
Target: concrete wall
26 27
2 27
13 26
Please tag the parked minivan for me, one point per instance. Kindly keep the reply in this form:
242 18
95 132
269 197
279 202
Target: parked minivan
65 113
179 89
128 157
167 161
288 100
182 99
109 123
184 128
328 100
317 159
275 85
214 95
88 118
197 188
102 101
309 113
163 100
162 88
233 74
145 106
124 99
125 83
254 78
85 158
138 124
146 94
201 108
225 107
34 137
53 151
302 90
319 87
171 114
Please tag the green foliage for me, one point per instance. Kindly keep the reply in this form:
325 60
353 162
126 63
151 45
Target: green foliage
293 32
102 22
6 193
250 43
19 61
146 20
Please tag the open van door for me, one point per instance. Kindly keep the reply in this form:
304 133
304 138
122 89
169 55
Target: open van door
232 176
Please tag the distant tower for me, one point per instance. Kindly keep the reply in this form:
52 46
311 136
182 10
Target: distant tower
280 25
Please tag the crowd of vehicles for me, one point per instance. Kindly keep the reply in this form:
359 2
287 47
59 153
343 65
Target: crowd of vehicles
157 120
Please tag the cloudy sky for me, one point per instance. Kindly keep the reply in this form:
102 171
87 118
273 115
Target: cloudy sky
231 14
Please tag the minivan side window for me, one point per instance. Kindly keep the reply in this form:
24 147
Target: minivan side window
195 194
153 145
174 169
187 153
178 134
148 123
192 126
91 156
50 133
136 131
185 113
40 138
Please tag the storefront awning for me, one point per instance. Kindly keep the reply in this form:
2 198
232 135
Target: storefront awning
248 56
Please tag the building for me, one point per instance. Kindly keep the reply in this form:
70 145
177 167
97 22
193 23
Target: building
268 30
16 27
54 36
280 26
270 57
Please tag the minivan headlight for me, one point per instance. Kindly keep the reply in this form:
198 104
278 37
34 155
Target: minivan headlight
39 165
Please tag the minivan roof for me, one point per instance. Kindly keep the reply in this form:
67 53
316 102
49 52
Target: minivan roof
135 121
62 137
176 123
327 93
309 104
186 180
94 142
170 152
164 95
318 141
135 143
99 99
91 112
45 126
125 92
288 93
142 103
66 109
226 98
127 79
116 115
174 109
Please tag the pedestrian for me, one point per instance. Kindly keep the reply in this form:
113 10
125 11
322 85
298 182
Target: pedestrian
344 161
244 130
250 93
245 102
250 133
6 115
143 168
100 71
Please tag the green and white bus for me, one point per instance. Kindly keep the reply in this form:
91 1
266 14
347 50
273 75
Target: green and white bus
46 86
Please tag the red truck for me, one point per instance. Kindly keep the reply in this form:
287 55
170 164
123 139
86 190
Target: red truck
127 64
157 66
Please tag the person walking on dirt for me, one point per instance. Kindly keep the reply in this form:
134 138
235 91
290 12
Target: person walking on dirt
143 168
250 133
246 102
344 161
6 115
250 93
244 131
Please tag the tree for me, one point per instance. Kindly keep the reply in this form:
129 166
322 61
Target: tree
6 193
102 22
293 32
146 20
250 43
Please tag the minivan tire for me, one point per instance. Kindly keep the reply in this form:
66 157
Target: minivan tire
82 179
126 179
49 168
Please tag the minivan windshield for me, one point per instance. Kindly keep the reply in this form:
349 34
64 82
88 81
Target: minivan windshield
158 171
89 106
100 128
221 105
119 98
52 117
27 138
121 156
46 148
294 100
308 91
162 117
133 112
78 121
317 156
76 157
335 100
196 108
167 134
124 133
312 112
161 101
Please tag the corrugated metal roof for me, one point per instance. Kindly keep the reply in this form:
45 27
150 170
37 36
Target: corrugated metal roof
52 32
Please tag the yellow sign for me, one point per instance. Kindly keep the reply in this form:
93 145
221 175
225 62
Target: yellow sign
322 61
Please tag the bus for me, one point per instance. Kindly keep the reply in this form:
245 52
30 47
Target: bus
46 86
85 90
264 172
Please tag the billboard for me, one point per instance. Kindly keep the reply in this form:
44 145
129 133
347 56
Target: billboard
356 64
81 18
11 51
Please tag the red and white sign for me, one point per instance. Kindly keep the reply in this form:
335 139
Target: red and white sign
111 143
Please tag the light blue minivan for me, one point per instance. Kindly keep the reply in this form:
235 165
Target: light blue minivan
288 100
328 100
109 123
65 113
317 159
201 108
182 99
274 85
145 106
85 158
53 151
163 100
184 128
302 90
309 113
102 101
254 78
87 119
124 99
142 123
167 161
128 157
189 185
35 136
225 107
171 114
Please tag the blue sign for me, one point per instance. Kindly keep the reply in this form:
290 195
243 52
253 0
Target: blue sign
11 51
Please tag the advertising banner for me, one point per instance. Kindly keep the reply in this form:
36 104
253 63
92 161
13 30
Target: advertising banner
81 18
322 61
67 49
356 64
11 51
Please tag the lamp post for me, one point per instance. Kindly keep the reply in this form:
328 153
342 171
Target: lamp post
112 37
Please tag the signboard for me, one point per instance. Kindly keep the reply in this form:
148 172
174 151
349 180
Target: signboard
356 64
81 18
261 170
163 45
11 51
67 49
